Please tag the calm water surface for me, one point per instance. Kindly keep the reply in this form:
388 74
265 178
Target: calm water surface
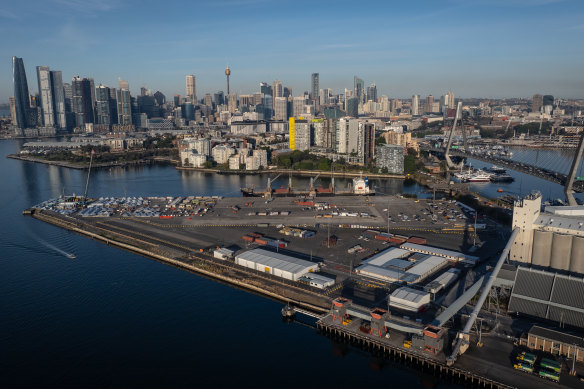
110 318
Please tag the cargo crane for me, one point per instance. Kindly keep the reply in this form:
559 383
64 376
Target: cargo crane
312 182
270 180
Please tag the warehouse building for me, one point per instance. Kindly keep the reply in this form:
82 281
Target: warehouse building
448 254
390 267
317 280
554 342
409 299
278 264
550 296
424 268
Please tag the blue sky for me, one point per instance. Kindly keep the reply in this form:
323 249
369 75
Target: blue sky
476 48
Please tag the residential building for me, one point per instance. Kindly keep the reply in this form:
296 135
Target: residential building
372 93
314 87
59 107
415 105
124 103
390 157
82 100
221 154
277 89
352 107
358 89
102 105
191 88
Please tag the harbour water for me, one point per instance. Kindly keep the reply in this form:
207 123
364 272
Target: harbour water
113 318
110 318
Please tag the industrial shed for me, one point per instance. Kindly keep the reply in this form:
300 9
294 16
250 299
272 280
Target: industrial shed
548 295
409 299
448 254
385 256
278 264
424 268
379 273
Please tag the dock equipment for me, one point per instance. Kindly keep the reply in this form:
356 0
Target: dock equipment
378 318
462 342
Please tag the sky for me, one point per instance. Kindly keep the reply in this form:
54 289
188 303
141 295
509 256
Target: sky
476 48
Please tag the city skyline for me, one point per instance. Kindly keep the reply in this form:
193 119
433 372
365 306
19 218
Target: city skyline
475 48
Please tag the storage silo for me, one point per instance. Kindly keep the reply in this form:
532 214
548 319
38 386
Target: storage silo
577 255
542 248
561 249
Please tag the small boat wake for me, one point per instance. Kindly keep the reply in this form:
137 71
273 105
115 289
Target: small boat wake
56 249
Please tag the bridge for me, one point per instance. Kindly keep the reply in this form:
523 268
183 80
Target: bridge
570 181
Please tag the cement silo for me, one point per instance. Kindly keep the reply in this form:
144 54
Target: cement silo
542 248
561 249
577 256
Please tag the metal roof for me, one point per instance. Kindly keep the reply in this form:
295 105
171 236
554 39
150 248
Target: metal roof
553 335
436 251
409 294
428 265
277 260
380 272
385 256
558 221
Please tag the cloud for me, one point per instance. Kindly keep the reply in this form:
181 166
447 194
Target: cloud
72 36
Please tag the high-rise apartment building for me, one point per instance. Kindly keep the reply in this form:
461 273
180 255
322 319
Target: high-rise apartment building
82 102
46 96
368 149
415 105
372 92
59 106
358 88
451 103
536 103
124 102
298 106
429 103
314 84
390 157
102 105
353 106
277 89
280 108
22 109
191 89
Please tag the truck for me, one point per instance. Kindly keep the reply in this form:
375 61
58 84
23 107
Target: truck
550 364
550 375
523 367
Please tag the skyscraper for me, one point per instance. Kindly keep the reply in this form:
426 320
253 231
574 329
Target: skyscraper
280 108
191 89
315 87
219 98
102 105
415 105
429 103
451 104
536 103
124 106
265 88
123 84
46 96
58 92
82 102
277 89
287 91
359 85
21 101
352 107
372 92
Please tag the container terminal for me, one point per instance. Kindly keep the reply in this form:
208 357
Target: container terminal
390 274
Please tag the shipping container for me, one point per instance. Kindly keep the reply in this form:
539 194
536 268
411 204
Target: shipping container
263 225
255 235
248 238
381 237
397 239
417 240
261 241
306 203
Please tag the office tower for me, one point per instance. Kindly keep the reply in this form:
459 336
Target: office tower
102 105
124 102
372 92
245 100
58 92
188 110
227 74
208 100
277 89
46 96
81 102
314 87
390 157
147 104
12 103
359 85
160 98
21 99
352 107
123 84
415 105
547 100
280 108
219 98
324 97
232 102
287 91
69 114
429 103
536 103
176 100
265 88
342 136
191 94
268 106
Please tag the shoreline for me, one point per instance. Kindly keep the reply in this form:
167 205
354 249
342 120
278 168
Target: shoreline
71 165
